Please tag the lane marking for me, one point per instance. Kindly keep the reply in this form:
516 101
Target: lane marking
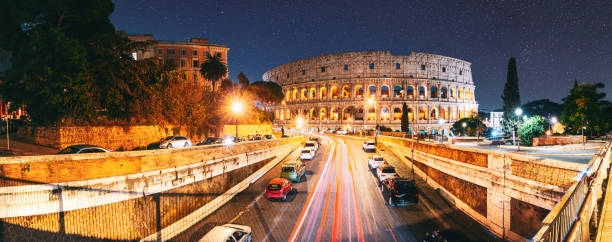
320 230
316 186
392 234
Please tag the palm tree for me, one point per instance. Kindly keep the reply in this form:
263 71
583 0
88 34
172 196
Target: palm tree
213 69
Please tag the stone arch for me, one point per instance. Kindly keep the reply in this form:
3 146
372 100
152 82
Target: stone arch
397 92
397 113
384 91
411 114
443 114
385 114
313 114
323 114
333 92
422 113
295 94
422 92
359 91
433 114
333 114
323 93
276 115
452 93
433 92
313 93
371 113
371 91
459 93
287 96
347 113
443 93
410 91
346 91
304 94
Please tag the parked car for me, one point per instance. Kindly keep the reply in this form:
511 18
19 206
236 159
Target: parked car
171 142
375 161
228 232
293 170
231 140
342 132
400 192
369 146
315 140
385 171
269 136
278 188
312 145
307 154
82 149
211 141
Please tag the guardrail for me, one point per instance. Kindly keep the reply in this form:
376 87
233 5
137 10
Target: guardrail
569 219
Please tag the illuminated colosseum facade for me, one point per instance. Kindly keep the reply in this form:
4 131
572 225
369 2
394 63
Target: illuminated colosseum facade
359 90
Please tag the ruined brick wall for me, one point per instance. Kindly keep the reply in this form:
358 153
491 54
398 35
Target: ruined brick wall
126 220
558 140
557 176
525 218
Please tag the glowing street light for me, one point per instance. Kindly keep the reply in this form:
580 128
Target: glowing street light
299 122
524 117
371 101
237 108
553 120
518 113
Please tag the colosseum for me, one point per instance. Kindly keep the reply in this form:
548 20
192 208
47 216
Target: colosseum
359 90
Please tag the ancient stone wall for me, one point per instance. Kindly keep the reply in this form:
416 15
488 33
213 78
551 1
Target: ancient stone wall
558 140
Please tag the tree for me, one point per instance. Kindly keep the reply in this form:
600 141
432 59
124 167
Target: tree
405 122
532 128
243 81
473 127
213 69
267 92
585 107
511 96
227 85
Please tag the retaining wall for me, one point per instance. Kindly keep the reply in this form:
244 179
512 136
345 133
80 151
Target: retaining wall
488 185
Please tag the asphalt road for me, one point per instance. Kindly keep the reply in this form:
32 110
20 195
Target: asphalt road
340 201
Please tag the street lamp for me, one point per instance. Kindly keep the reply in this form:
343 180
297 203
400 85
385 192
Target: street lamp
237 108
583 139
553 121
518 113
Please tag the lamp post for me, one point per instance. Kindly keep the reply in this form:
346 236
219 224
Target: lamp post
237 108
518 113
583 139
553 121
463 124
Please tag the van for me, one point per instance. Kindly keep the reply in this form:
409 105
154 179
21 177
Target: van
293 171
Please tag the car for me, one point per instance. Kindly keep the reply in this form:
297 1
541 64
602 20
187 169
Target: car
315 140
369 146
269 136
211 141
307 154
341 132
400 192
171 142
228 232
227 140
375 161
82 149
312 145
293 170
278 188
385 171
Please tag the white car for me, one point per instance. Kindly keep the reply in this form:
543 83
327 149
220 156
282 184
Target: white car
307 154
384 172
375 161
171 142
312 145
228 232
369 146
341 132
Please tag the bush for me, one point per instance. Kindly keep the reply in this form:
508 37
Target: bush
472 128
532 128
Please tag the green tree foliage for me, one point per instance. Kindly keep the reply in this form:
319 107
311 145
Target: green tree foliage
213 69
532 128
511 96
585 106
267 93
473 127
405 122
243 80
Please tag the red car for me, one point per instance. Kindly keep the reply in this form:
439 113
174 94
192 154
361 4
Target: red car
278 188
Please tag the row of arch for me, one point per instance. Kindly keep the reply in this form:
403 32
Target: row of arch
359 91
385 113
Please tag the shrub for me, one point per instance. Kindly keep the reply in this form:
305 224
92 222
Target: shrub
532 128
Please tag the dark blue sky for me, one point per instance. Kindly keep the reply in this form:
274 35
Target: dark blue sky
554 42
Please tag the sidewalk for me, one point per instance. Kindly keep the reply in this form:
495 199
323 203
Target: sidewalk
456 223
19 148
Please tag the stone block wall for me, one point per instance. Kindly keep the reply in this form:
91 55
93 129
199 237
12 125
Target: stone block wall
247 129
558 140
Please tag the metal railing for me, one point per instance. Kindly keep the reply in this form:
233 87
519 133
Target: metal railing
569 219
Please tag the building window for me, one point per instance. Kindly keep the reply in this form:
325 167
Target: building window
207 53
182 52
170 51
323 69
195 52
346 67
460 72
443 69
423 67
160 52
219 54
303 72
397 66
287 75
196 63
371 66
183 63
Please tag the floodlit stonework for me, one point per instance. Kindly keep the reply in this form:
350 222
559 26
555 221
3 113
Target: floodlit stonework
358 90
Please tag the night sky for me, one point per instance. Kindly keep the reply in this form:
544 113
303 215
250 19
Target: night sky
554 42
